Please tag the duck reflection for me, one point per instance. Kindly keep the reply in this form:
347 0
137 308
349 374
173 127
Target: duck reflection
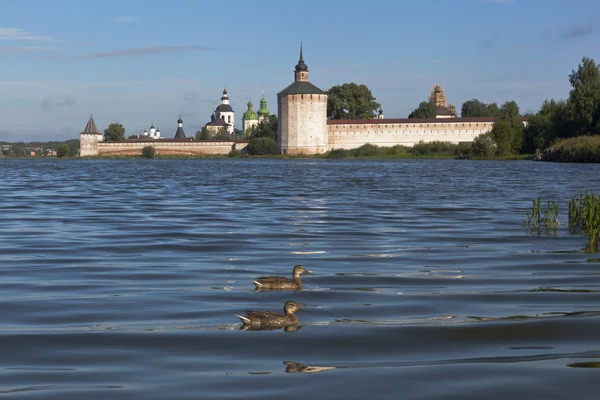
287 329
260 320
266 283
292 367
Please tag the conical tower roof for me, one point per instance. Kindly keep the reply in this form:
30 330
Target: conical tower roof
91 127
301 66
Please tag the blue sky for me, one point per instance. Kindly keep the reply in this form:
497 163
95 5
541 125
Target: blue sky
142 62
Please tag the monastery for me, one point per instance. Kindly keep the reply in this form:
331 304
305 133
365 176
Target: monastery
303 127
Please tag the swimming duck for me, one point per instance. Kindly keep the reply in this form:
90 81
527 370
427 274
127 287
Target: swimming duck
270 319
281 283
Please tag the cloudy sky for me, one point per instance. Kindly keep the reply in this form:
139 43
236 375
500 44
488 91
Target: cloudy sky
140 62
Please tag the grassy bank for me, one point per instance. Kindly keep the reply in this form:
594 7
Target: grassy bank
580 149
419 150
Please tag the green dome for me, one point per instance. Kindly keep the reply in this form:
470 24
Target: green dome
250 114
262 111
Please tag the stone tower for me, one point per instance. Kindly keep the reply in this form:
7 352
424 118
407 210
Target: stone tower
302 115
89 138
437 96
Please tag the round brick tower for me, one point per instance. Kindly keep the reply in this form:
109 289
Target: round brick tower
302 115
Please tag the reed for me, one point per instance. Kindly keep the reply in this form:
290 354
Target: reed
584 217
535 220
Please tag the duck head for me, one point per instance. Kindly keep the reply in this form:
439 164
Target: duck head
299 269
291 307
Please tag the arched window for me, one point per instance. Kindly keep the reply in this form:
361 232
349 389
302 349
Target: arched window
229 119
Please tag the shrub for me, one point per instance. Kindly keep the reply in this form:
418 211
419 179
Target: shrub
463 148
148 151
234 153
434 148
584 149
484 145
262 146
366 150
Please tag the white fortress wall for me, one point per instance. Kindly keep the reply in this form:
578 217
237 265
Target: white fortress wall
348 134
165 147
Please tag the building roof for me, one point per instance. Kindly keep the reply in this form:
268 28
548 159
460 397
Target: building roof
91 127
180 134
301 88
217 122
443 111
224 108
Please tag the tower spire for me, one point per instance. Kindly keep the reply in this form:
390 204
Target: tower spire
301 73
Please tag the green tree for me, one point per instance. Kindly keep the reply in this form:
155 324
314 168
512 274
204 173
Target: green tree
203 134
266 128
114 133
476 108
208 134
548 124
508 130
221 134
584 98
351 101
425 110
63 151
262 146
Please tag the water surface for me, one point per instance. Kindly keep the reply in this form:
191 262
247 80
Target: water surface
121 279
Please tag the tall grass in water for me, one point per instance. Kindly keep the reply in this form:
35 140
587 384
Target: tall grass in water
535 221
584 217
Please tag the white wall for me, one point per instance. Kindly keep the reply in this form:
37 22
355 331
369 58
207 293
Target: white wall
390 133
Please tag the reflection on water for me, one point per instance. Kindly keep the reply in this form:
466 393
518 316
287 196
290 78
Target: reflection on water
287 329
121 279
292 367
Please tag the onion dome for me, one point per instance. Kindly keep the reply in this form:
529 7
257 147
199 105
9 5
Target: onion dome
263 111
250 114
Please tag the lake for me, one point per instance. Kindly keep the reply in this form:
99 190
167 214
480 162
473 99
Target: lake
121 279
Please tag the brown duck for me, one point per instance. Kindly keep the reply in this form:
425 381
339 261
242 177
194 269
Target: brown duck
270 319
281 283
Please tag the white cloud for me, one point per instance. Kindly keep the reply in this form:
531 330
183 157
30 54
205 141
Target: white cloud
18 34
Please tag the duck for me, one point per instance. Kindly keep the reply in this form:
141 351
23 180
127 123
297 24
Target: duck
271 319
281 283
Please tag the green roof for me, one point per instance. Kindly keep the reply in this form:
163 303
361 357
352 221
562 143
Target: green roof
301 88
250 114
263 111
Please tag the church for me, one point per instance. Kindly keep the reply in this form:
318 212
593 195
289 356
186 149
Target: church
223 117
252 118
